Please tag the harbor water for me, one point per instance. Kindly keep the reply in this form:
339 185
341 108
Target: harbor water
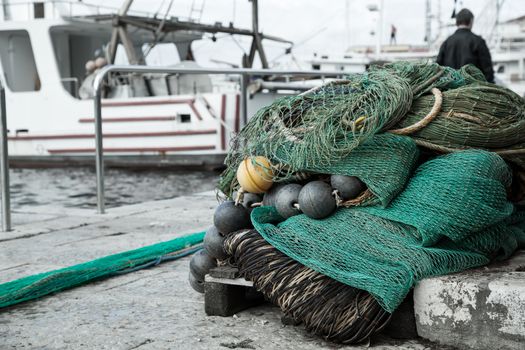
76 187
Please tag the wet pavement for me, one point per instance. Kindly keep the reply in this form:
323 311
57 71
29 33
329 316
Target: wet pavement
148 309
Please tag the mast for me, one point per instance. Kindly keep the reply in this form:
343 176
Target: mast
347 23
6 11
379 29
121 34
496 30
161 26
256 46
428 22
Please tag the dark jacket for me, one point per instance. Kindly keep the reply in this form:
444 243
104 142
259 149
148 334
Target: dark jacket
464 47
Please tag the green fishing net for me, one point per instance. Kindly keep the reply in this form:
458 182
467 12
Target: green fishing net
449 215
324 125
452 196
453 215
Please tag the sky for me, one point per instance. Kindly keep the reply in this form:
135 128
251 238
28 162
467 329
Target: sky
316 25
321 26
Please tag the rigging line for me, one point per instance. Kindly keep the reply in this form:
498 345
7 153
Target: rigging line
160 7
302 42
157 36
238 44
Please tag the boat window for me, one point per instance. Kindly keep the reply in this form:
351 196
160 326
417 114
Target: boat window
18 61
78 52
75 50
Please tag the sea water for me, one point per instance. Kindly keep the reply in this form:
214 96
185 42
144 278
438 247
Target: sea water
76 187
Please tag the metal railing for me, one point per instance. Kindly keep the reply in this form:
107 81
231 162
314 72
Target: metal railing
24 10
4 164
75 83
244 75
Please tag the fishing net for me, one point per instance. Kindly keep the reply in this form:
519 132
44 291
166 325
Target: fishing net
452 196
367 162
324 125
480 115
39 285
452 216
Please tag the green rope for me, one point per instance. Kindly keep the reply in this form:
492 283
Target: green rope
39 285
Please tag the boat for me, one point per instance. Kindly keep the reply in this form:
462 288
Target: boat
51 51
50 55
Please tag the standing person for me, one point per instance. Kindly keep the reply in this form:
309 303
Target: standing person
393 32
464 47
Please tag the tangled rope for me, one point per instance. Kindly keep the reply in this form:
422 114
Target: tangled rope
328 308
426 120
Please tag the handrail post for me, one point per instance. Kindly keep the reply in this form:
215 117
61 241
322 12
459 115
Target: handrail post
4 164
244 99
98 82
99 160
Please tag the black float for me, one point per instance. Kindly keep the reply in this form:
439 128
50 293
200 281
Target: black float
286 200
213 244
195 283
229 217
347 187
201 263
269 197
250 199
316 200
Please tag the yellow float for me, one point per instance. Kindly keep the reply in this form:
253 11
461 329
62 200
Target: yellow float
255 174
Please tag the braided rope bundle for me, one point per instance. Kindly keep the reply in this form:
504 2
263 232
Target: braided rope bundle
478 115
328 308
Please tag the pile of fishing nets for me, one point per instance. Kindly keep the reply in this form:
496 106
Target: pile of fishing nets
433 152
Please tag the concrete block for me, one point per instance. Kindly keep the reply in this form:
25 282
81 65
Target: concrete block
477 309
222 299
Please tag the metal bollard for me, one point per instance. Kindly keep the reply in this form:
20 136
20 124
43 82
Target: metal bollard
4 164
99 157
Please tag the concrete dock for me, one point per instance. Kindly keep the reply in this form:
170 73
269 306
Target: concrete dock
148 309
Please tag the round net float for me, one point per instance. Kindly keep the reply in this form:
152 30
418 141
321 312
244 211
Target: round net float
255 174
196 284
213 244
316 200
250 199
269 197
348 187
229 217
201 263
286 200
90 66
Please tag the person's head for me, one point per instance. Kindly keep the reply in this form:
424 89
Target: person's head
464 18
